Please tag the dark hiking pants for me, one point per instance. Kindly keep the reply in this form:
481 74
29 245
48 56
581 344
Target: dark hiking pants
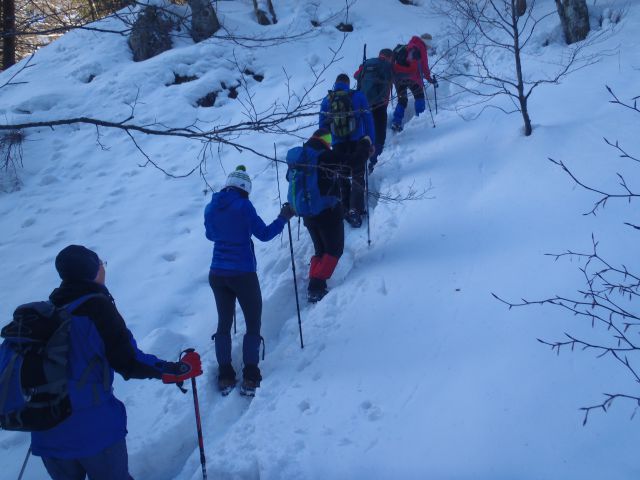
417 90
351 189
246 289
327 234
380 124
110 464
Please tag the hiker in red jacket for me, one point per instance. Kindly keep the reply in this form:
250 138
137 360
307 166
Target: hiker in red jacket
411 65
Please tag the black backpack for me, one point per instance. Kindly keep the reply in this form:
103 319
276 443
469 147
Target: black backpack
34 370
341 114
375 81
401 55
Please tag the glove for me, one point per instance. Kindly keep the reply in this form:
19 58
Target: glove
287 211
188 367
433 82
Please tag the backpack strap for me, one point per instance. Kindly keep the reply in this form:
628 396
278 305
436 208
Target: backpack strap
5 379
70 307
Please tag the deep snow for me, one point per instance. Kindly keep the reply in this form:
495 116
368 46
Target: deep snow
410 368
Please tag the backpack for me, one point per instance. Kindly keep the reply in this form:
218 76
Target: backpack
341 114
34 368
304 193
401 55
375 80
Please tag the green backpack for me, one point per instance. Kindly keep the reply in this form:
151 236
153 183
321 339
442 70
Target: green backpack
341 114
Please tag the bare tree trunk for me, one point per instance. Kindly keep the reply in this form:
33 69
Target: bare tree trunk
574 16
522 98
261 14
8 33
204 21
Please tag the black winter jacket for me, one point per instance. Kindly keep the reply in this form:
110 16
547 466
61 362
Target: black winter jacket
115 335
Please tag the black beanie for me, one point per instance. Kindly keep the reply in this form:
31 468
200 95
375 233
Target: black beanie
76 262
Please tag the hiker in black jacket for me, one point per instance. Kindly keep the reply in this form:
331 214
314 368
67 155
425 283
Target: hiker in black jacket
327 228
91 441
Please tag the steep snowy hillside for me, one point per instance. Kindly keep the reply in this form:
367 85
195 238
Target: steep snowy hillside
411 369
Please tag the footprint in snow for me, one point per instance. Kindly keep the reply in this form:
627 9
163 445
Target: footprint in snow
48 180
373 412
28 222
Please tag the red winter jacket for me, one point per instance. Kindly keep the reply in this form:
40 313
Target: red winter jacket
418 60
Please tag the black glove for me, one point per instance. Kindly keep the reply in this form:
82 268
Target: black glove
287 211
433 82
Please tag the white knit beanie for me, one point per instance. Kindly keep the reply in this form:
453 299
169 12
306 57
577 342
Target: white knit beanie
239 179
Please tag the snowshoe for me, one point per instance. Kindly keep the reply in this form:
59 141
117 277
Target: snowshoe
353 218
396 127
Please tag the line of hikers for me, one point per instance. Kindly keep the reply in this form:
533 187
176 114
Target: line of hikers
58 358
327 178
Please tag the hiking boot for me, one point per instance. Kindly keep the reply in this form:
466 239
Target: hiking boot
251 380
248 388
396 127
226 379
314 296
353 218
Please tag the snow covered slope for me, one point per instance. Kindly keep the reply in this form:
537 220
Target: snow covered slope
411 369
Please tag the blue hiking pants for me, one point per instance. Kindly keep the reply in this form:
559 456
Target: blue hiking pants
112 463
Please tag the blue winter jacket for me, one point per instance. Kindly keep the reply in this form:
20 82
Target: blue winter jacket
230 220
100 342
364 119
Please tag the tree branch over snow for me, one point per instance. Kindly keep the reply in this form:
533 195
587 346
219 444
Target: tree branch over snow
608 301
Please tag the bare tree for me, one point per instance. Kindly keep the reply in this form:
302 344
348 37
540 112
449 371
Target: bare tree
609 300
484 30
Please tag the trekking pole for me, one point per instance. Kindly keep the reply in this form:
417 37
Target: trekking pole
295 283
234 320
429 105
203 460
435 93
196 406
424 89
366 188
293 264
275 159
364 59
24 464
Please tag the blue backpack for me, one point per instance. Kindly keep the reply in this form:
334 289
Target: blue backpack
34 368
304 193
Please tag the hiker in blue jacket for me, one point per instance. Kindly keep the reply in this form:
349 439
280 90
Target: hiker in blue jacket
230 221
347 115
92 440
